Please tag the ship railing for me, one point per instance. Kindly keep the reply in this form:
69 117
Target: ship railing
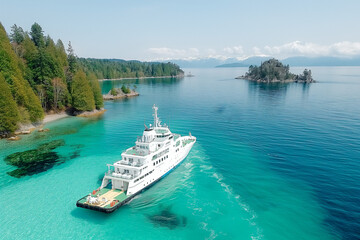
126 176
132 164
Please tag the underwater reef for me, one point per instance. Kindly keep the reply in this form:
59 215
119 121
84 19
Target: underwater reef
37 160
168 219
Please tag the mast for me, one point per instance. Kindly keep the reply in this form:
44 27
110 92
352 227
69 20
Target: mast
156 119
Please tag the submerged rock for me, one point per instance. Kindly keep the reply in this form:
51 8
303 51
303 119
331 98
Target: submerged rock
37 160
168 219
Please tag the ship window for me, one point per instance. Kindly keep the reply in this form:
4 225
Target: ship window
154 164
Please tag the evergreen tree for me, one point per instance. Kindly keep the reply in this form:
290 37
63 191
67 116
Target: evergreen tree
61 54
83 97
37 35
17 34
94 83
20 88
9 114
71 69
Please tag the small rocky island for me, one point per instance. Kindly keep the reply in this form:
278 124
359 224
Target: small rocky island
118 93
273 70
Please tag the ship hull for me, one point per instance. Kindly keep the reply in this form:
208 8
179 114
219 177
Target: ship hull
129 197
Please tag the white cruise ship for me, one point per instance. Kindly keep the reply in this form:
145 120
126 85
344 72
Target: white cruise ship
155 154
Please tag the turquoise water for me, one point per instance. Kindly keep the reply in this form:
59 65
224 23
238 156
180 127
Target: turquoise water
270 162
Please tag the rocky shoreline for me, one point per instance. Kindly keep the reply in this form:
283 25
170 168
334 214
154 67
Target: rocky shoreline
93 113
276 80
120 95
28 128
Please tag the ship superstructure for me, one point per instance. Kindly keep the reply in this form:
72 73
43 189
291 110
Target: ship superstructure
155 153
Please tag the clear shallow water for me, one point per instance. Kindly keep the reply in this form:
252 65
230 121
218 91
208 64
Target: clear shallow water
271 162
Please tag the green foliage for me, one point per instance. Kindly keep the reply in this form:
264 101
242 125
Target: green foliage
9 114
40 76
71 59
20 89
113 92
270 70
113 68
37 35
83 97
125 89
61 54
274 71
94 83
17 34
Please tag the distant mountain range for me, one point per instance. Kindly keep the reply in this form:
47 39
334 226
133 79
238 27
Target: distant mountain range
292 61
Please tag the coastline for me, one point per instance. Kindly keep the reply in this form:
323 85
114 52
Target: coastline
53 117
129 78
92 113
30 127
266 81
121 95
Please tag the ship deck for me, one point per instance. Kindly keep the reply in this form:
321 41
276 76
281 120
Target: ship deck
187 141
110 195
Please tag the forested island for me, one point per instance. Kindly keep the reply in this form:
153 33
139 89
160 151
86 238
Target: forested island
117 68
38 76
273 70
118 93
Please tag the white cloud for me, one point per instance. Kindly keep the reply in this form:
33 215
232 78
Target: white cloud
346 48
257 51
298 48
167 53
234 50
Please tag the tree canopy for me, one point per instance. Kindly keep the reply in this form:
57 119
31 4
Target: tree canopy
83 98
116 68
9 114
273 70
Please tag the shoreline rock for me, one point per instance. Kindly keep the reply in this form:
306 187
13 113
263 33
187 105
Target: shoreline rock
120 95
267 81
93 113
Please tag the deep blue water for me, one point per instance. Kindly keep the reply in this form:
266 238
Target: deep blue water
278 161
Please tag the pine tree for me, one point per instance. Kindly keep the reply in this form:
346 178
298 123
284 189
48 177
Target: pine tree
83 97
9 114
37 35
20 88
71 68
94 83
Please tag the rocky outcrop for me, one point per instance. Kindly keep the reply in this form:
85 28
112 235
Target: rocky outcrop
117 93
273 70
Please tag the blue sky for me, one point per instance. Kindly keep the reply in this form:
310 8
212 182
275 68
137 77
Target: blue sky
154 30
